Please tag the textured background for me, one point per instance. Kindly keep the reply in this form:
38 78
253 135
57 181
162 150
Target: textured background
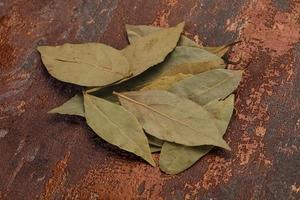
46 156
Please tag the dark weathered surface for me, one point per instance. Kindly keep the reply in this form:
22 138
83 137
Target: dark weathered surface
45 156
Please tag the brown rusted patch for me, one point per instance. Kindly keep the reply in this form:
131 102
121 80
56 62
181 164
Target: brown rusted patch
218 172
265 26
105 182
246 151
264 160
56 183
163 15
15 172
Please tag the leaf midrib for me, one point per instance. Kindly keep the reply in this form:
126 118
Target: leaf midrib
94 66
230 77
156 111
116 125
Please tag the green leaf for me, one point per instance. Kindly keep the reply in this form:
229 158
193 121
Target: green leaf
150 50
117 126
137 31
165 82
89 64
73 106
207 86
175 158
172 118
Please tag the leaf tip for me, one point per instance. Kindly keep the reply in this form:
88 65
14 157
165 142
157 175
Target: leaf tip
223 144
53 111
239 72
226 147
41 49
181 24
151 162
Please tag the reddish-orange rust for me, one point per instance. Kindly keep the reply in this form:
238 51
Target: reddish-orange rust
56 183
57 157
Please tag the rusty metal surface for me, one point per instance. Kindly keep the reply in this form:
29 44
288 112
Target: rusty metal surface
52 157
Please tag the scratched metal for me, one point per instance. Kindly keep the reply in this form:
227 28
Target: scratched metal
45 156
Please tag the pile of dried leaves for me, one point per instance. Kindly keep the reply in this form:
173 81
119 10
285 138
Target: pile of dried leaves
180 107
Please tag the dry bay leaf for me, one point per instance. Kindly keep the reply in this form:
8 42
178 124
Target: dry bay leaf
188 121
73 106
154 141
190 60
152 49
218 50
184 60
207 86
89 64
172 118
175 158
154 149
117 126
185 41
136 31
165 82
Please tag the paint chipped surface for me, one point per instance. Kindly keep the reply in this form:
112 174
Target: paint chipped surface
52 157
218 172
99 179
260 131
295 188
3 133
246 151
